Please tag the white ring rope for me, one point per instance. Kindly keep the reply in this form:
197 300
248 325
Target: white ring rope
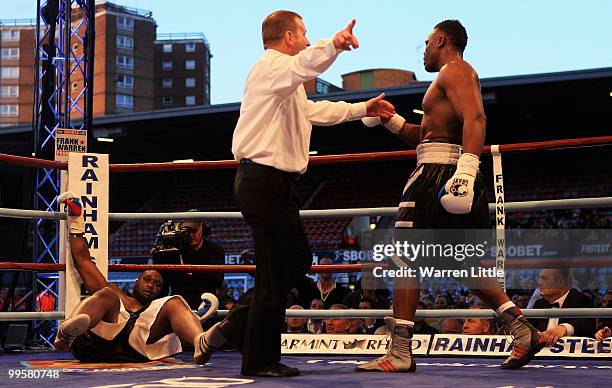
356 313
551 204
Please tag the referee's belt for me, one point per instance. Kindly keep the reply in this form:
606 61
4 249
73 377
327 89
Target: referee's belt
245 161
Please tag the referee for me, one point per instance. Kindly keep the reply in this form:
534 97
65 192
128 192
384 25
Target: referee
271 141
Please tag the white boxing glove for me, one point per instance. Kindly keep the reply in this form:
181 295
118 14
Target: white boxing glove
458 193
74 212
394 125
207 310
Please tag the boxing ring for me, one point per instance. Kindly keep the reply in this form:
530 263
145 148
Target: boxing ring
442 360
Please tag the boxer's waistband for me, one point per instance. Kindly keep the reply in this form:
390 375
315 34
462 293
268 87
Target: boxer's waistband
440 153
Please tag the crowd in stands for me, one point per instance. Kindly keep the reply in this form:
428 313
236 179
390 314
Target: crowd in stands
367 293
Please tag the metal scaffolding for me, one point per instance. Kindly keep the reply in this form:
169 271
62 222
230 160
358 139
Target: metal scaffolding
62 28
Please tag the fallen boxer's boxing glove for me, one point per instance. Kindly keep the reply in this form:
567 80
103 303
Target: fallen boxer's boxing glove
74 212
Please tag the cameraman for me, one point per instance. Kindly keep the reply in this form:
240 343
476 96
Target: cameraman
197 251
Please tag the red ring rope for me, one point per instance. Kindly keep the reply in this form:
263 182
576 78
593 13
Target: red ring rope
314 160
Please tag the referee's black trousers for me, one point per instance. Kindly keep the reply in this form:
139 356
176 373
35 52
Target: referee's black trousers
270 204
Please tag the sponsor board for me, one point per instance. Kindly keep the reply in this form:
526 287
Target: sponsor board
345 344
438 345
89 179
69 140
501 345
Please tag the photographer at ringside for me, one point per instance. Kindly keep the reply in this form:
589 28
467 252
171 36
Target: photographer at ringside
186 243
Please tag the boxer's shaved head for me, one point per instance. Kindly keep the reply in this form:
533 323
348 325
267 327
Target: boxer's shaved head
276 24
454 32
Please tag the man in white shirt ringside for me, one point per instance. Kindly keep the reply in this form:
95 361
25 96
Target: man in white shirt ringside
271 141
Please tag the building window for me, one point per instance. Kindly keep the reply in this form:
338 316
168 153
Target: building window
167 83
125 22
124 101
9 53
75 85
167 65
10 35
190 82
9 91
9 73
125 61
189 100
125 42
190 64
125 81
190 47
167 101
167 47
9 110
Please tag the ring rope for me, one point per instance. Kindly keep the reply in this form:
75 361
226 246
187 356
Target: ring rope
314 160
374 313
551 204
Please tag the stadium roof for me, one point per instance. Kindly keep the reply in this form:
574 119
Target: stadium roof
408 90
523 108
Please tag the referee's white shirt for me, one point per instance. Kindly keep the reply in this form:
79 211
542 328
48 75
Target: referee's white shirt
276 117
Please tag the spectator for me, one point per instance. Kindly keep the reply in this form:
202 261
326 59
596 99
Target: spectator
315 326
198 250
357 326
228 302
45 301
368 289
331 292
555 292
337 325
451 326
19 300
477 325
603 333
440 303
605 303
369 324
304 292
383 330
296 325
420 326
523 300
223 291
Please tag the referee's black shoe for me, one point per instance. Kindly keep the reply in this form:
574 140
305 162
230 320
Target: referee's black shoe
274 370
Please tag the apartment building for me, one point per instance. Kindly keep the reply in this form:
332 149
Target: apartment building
182 70
134 69
17 48
123 60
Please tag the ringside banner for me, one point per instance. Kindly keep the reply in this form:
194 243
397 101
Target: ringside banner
459 345
345 344
501 345
89 180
